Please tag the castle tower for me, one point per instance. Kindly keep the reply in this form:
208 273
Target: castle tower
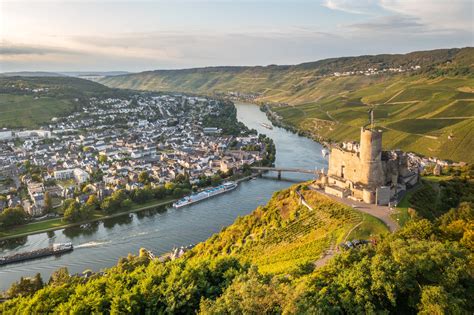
371 172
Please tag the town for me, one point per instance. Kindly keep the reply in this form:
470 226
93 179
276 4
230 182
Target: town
115 148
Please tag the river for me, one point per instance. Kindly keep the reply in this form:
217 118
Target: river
99 245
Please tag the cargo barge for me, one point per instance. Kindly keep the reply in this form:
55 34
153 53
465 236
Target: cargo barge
55 249
205 194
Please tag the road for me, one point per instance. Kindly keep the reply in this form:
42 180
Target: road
381 212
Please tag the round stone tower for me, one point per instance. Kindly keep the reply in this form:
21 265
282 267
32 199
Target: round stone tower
371 172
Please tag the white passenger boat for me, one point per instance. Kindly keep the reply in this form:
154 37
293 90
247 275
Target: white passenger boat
207 193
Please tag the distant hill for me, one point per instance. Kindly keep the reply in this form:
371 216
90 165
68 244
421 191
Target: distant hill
287 78
93 73
428 108
29 101
31 74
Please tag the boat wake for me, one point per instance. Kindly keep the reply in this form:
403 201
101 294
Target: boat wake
92 244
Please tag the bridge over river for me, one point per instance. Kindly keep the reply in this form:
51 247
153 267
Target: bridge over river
286 169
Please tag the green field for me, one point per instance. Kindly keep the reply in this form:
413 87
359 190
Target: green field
25 111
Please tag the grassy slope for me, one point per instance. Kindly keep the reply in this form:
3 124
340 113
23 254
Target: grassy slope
19 108
283 235
25 111
418 112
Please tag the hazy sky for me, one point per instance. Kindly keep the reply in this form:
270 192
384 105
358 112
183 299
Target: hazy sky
144 35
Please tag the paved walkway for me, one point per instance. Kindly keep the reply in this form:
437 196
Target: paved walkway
381 212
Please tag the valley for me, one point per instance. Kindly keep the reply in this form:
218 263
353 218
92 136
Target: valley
428 110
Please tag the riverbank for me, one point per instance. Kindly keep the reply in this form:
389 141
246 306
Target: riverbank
276 120
58 223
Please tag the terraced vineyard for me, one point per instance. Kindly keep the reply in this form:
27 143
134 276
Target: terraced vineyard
430 111
284 235
433 117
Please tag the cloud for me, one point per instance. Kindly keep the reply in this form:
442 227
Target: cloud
395 23
7 49
438 14
350 6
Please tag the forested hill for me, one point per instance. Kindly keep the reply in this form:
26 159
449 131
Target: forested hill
426 107
30 101
60 86
268 263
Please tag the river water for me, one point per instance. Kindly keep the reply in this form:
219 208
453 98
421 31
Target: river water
99 245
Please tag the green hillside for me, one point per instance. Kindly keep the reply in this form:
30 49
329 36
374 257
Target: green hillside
26 111
22 106
266 263
284 235
429 111
430 116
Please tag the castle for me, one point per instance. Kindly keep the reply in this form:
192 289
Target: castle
364 172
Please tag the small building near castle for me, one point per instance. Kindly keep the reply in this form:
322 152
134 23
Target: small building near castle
364 172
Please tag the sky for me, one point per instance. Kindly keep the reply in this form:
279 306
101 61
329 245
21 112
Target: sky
108 35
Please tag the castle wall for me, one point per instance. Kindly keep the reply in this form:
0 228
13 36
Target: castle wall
346 162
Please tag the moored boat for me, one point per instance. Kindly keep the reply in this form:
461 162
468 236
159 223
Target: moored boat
207 193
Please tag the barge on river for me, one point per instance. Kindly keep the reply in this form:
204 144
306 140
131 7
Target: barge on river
55 249
208 193
268 126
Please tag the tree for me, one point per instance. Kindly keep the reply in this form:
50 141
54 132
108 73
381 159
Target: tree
170 187
159 192
26 286
114 202
48 202
102 159
435 301
126 204
142 195
92 201
59 277
181 179
36 178
12 216
72 212
143 177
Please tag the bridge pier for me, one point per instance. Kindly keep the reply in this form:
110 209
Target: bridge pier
279 174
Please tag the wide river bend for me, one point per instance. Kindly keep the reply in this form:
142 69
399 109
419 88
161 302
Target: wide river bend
99 245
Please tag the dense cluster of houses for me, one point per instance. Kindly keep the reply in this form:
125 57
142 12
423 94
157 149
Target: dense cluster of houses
374 71
108 144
